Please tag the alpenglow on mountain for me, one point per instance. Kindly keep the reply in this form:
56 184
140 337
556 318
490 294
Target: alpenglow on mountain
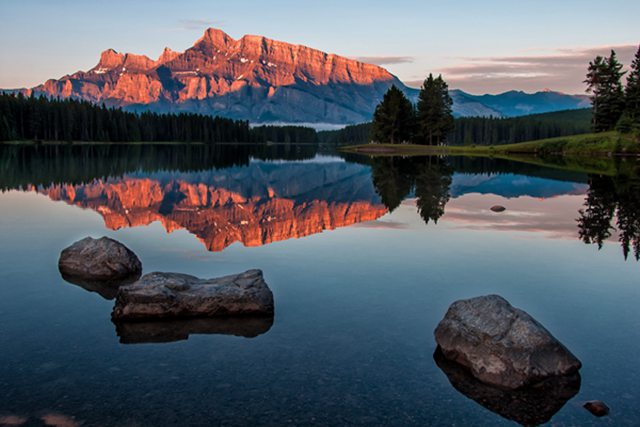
257 79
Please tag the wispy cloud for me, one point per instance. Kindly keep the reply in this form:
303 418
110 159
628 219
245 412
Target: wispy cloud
562 69
198 24
384 60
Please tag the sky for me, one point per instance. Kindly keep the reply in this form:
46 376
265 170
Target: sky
478 46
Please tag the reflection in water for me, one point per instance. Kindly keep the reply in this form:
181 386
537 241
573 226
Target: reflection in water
608 198
529 407
224 194
256 205
429 177
105 289
177 330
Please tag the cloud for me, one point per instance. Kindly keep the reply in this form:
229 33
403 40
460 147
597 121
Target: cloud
561 69
384 60
198 24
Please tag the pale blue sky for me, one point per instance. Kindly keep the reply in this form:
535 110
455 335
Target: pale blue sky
472 43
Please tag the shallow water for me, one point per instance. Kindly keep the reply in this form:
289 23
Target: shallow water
358 290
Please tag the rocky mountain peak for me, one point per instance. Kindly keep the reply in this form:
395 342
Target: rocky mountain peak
110 59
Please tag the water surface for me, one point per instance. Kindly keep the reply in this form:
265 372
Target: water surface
363 257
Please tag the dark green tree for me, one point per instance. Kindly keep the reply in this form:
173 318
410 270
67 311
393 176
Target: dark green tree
604 82
393 119
434 112
632 92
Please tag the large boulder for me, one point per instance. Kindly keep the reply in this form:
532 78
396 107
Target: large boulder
174 295
502 345
99 261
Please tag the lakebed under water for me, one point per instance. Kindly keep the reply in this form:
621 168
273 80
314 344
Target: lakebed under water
363 256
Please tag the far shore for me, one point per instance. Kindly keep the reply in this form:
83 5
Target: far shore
590 145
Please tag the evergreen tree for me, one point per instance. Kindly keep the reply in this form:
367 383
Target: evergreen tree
434 115
604 82
632 92
393 119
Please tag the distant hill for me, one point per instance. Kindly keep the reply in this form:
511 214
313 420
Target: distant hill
262 80
518 103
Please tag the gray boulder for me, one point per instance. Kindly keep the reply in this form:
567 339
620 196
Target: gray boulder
99 261
502 345
174 295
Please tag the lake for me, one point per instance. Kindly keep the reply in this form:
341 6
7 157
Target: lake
363 256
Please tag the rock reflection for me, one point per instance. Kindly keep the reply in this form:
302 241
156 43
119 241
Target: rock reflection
105 289
529 407
178 330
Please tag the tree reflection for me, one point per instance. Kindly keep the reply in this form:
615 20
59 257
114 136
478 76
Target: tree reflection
608 198
428 178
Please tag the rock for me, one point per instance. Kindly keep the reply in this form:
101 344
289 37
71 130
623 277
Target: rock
174 295
502 345
597 408
498 208
160 331
529 406
99 261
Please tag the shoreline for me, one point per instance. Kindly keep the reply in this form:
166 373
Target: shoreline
606 144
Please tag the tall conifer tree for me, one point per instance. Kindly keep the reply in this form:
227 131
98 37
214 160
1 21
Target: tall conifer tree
393 119
434 115
632 92
604 82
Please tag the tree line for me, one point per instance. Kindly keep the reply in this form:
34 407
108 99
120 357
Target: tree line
41 118
614 106
486 130
396 120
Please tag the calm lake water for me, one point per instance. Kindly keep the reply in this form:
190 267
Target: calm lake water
363 257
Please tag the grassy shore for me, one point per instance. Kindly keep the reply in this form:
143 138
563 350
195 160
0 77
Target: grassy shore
600 144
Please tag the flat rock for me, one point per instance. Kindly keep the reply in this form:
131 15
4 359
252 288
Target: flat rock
174 295
99 261
502 345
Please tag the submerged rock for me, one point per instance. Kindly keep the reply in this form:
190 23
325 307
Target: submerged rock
498 208
502 345
529 406
102 261
175 330
175 295
597 408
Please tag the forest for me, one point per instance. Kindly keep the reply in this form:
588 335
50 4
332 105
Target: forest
43 119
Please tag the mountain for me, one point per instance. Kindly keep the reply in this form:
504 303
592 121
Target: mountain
253 78
517 103
265 81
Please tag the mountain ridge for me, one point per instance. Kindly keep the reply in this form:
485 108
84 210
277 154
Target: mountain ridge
263 80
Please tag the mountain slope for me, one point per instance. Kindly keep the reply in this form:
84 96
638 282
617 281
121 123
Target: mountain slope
253 78
262 80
